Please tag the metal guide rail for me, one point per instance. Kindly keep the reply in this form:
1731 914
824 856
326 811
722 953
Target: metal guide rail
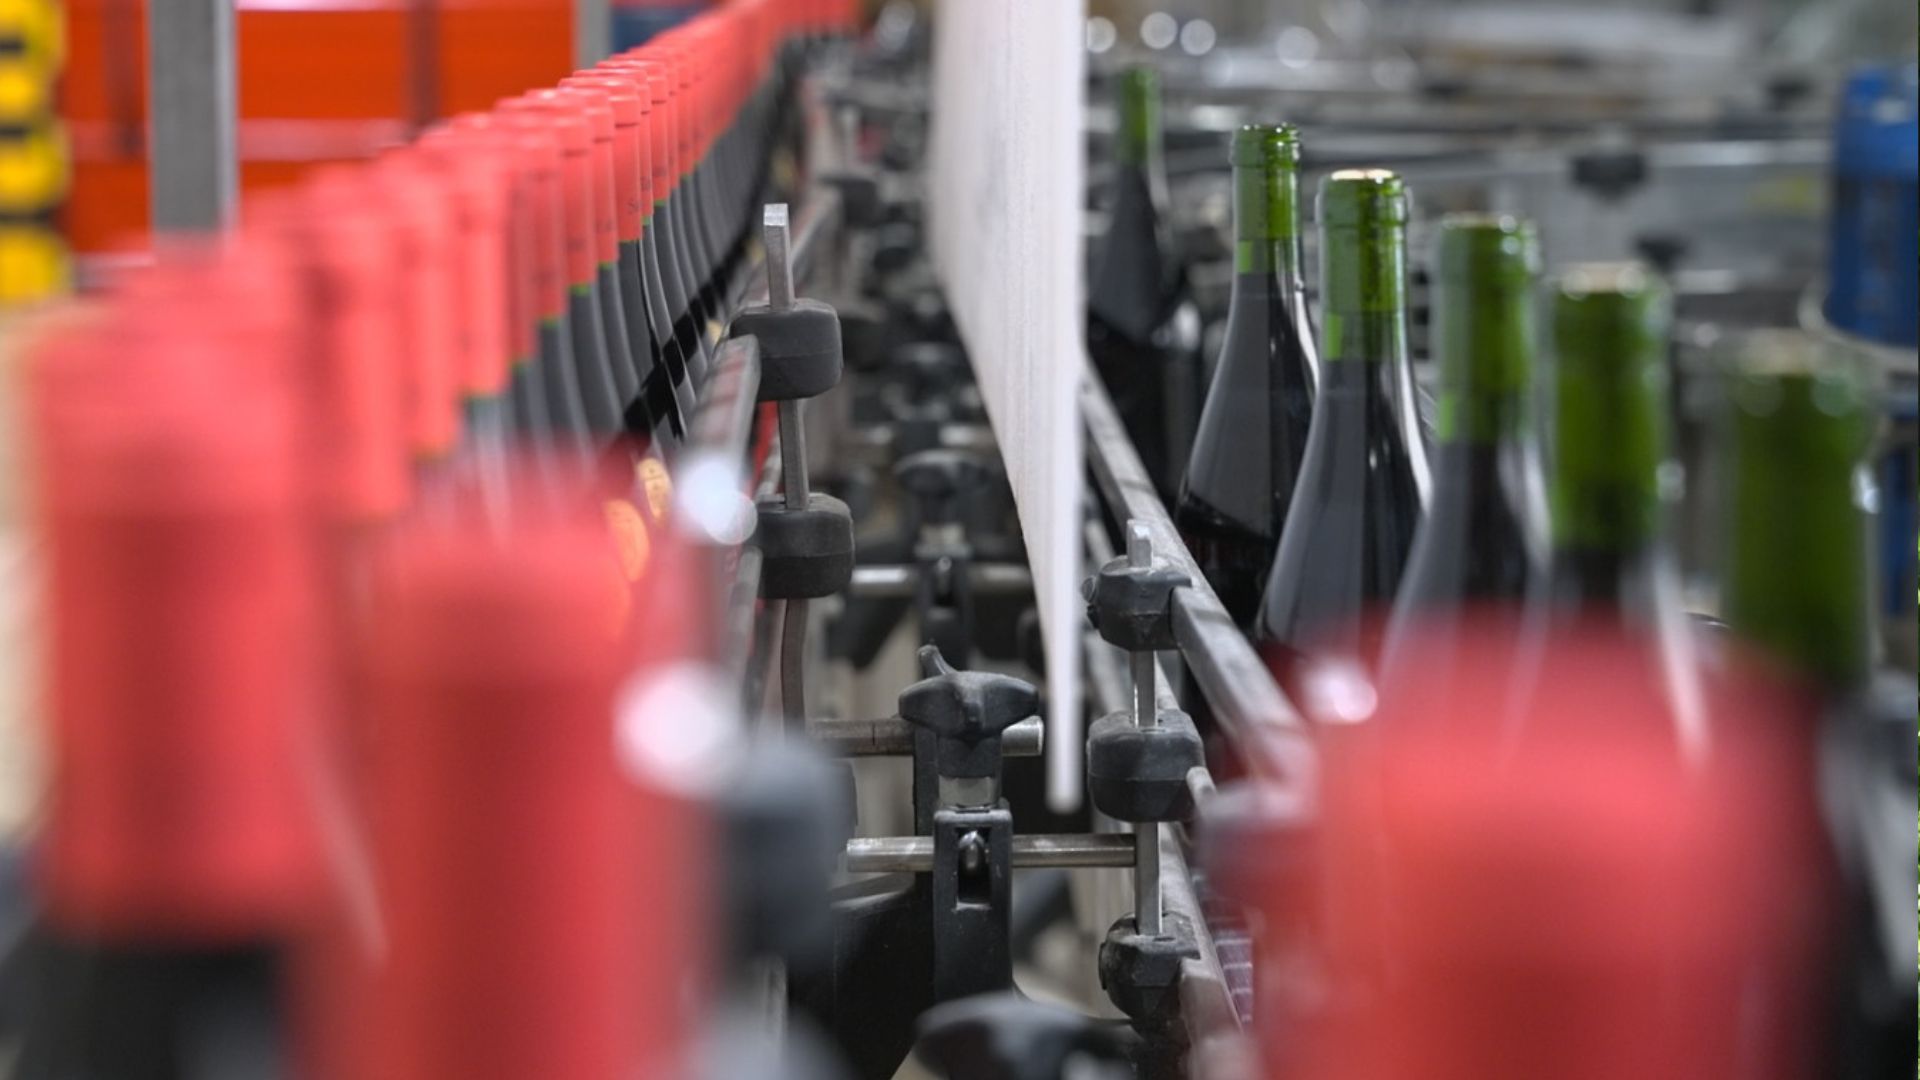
1248 704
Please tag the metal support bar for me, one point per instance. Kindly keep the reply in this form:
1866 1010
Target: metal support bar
1145 671
899 581
592 32
914 854
893 737
194 171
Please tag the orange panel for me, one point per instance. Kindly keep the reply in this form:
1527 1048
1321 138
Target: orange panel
319 80
491 50
322 63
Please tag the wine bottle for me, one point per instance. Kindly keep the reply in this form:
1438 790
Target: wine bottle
1253 431
1141 333
1609 601
1357 503
1611 444
1798 592
1481 545
1798 578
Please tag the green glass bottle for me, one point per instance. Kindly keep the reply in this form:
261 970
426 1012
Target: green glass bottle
1482 543
1142 330
1610 597
1612 444
1357 503
1798 578
1253 431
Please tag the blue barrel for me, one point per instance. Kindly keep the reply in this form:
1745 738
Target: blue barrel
1875 244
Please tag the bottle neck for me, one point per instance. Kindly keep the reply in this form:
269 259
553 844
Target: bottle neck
1266 223
1137 142
1364 301
1483 335
1798 577
1627 582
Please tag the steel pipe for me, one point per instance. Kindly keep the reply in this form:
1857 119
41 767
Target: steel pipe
914 854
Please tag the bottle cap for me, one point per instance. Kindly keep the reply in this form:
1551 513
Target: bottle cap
609 220
491 142
354 377
537 147
564 116
650 77
493 670
419 208
633 188
477 181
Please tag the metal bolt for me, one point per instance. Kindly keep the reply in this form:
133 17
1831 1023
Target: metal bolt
972 851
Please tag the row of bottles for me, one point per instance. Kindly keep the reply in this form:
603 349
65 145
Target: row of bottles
352 694
1509 692
1313 501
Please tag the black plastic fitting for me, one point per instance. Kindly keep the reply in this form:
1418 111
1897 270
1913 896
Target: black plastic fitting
804 554
1133 608
1140 774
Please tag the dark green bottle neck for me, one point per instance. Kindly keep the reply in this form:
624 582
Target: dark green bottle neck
1138 138
1483 342
1266 222
1610 430
1363 295
1798 575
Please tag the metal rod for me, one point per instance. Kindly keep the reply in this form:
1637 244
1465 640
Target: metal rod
1144 669
914 854
984 579
796 486
893 737
1245 700
194 171
793 663
779 258
818 218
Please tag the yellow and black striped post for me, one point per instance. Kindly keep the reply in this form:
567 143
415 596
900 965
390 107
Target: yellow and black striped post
33 152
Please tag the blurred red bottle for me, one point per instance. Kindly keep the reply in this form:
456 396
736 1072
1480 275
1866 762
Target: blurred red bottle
502 822
1577 904
181 604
